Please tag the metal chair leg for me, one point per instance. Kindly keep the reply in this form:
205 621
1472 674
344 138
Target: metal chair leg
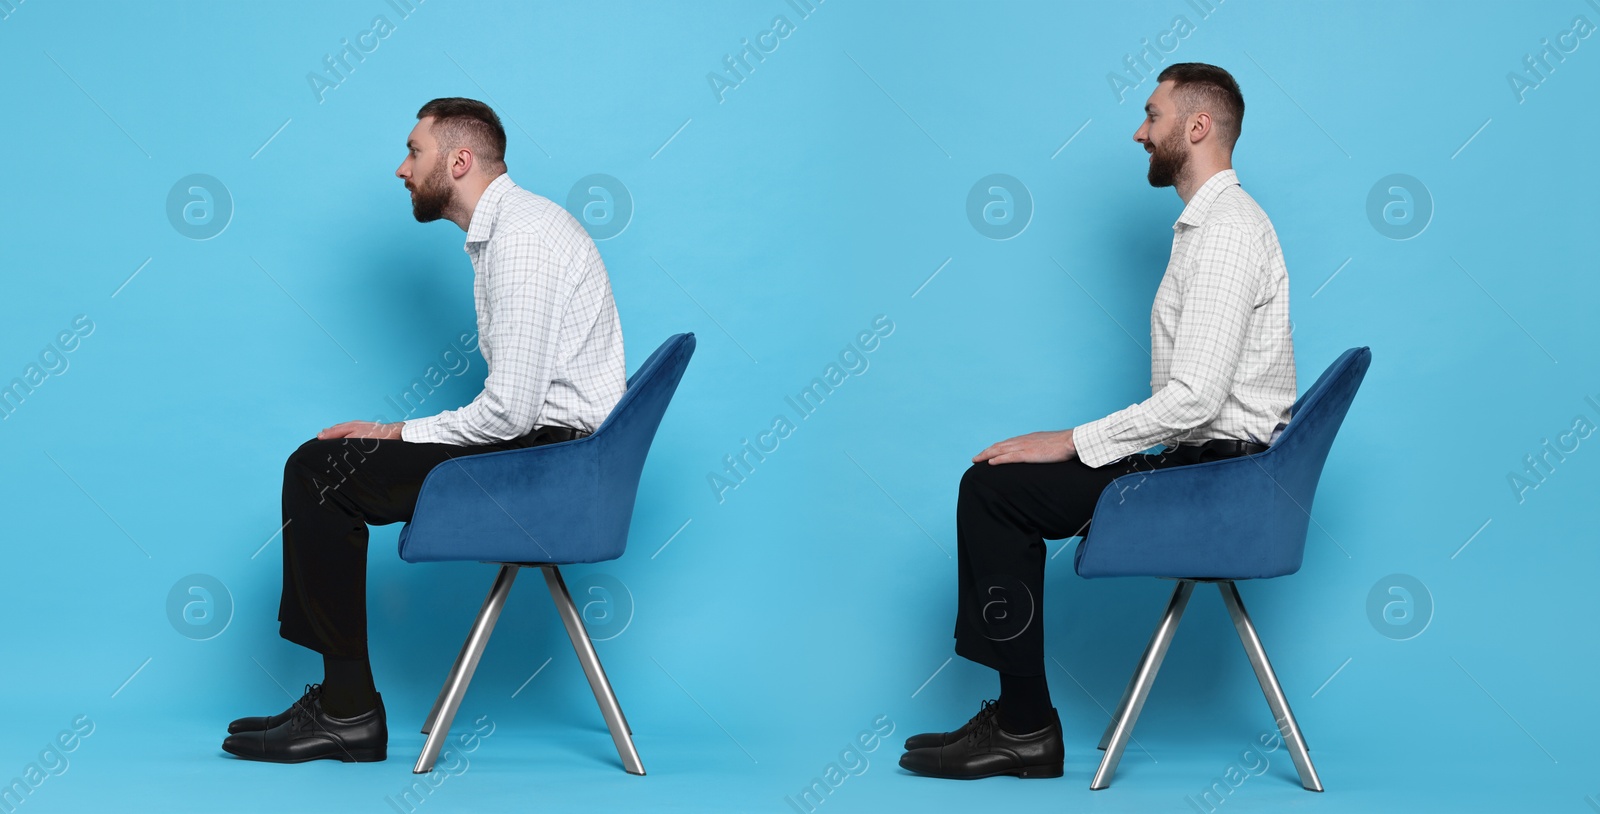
1127 693
455 687
1139 690
1287 727
621 734
438 703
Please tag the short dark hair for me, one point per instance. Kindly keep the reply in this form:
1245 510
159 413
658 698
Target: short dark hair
1199 86
458 121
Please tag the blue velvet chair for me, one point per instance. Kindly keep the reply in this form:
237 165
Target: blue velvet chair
1220 521
543 507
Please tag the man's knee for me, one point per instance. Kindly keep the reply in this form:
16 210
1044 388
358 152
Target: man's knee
326 465
308 458
335 453
976 475
987 478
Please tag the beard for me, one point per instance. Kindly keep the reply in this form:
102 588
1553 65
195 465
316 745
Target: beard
1167 161
432 195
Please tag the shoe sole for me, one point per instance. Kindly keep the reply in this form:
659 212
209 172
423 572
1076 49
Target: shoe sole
349 756
1024 773
1039 772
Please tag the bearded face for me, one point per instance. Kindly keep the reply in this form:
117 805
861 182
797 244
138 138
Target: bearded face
1167 159
432 193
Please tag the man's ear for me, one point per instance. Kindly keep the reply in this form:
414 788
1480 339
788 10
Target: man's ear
1200 127
461 163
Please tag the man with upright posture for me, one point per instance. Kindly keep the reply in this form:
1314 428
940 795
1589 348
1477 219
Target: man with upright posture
1222 382
549 333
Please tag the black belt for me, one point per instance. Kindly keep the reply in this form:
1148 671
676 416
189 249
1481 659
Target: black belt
556 434
1229 446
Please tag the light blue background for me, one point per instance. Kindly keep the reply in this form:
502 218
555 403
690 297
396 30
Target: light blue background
776 224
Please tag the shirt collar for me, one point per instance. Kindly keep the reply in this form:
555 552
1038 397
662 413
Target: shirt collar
485 213
1195 213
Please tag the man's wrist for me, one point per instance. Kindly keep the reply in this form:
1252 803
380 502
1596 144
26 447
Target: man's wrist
1088 443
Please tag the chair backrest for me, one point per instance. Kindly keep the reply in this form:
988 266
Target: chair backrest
625 436
1297 457
557 503
1237 518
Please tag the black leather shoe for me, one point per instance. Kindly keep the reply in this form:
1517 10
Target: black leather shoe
313 692
936 739
987 751
310 733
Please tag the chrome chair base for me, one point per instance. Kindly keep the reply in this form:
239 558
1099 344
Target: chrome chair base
437 725
1120 729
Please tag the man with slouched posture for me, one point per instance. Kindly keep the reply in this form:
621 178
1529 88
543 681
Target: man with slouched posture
1222 381
549 333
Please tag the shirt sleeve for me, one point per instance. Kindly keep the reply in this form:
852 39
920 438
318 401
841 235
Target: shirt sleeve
1218 294
527 289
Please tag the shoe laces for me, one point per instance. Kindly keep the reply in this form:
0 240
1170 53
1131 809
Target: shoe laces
984 723
304 709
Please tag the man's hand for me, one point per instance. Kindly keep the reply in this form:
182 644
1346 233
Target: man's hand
362 429
1033 448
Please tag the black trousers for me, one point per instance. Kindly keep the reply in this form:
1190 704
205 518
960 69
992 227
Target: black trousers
1003 516
332 490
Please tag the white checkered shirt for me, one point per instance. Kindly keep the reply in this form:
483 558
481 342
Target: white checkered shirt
547 325
1222 358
